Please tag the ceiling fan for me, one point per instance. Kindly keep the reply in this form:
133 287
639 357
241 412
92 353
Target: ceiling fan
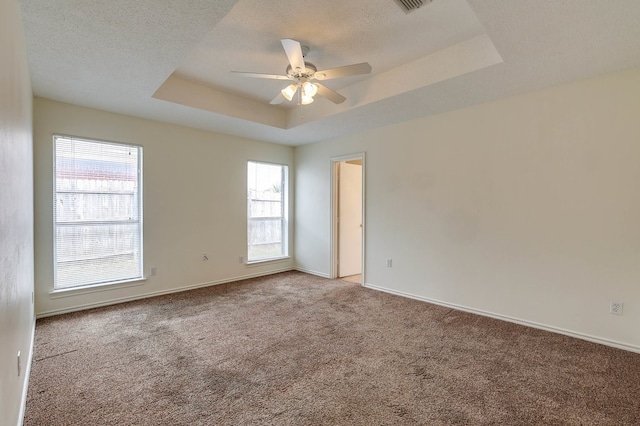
304 76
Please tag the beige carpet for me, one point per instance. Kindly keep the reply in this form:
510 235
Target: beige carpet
294 349
357 279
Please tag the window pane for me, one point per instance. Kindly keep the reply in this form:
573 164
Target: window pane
266 217
98 222
265 238
88 207
99 253
265 208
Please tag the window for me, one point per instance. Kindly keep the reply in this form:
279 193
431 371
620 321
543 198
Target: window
97 212
266 211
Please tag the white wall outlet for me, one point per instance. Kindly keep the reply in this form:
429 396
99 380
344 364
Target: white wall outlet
241 259
616 308
205 257
19 366
389 263
154 271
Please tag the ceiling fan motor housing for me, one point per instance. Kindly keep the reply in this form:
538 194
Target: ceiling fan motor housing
309 71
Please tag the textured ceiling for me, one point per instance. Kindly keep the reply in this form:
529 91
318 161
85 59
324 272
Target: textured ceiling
117 55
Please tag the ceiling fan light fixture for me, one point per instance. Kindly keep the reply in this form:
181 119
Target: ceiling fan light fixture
306 100
289 91
309 89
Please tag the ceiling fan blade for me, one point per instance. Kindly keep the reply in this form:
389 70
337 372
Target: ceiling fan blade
277 100
332 95
261 75
293 49
346 71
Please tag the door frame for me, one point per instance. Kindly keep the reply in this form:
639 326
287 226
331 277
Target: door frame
334 212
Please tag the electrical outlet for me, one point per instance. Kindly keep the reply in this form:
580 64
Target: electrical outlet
241 259
205 257
154 271
616 308
389 263
19 366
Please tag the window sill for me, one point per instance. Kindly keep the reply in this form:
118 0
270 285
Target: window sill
95 288
269 260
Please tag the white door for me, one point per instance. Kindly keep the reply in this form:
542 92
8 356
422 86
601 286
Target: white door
349 219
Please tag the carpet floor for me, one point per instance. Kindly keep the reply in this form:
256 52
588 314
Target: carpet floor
294 349
357 279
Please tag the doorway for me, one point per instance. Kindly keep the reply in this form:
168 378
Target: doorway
348 218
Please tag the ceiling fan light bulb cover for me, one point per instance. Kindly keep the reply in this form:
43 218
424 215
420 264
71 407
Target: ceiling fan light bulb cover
289 91
310 89
306 100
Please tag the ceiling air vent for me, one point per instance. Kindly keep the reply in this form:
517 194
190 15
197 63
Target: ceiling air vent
410 5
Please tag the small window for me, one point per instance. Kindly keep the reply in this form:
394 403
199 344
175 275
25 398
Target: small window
266 211
97 212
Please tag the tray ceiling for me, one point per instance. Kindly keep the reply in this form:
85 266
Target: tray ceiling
172 61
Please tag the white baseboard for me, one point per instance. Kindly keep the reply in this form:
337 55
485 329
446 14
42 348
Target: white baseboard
27 374
582 336
317 274
156 293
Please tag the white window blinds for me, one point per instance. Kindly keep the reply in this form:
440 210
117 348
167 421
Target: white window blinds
97 212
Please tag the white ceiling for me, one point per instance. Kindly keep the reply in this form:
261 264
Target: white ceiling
171 60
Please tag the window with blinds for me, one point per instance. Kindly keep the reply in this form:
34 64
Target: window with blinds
266 211
97 212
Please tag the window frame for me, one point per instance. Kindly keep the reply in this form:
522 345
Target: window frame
284 216
140 221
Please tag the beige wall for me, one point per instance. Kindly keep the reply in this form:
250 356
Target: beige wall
194 202
16 215
526 208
